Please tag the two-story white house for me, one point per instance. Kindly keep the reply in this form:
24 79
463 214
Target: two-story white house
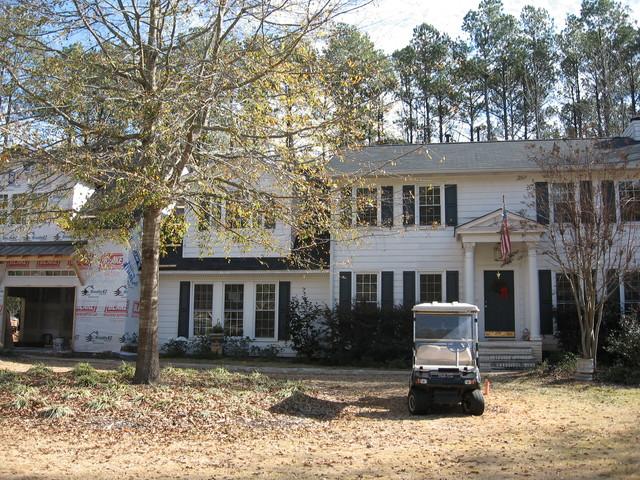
427 230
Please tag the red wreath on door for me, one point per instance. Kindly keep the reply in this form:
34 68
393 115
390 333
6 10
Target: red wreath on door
503 292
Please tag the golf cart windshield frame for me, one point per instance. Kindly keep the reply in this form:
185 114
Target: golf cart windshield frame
444 327
445 340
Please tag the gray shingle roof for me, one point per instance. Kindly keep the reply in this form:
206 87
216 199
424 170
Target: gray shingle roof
471 157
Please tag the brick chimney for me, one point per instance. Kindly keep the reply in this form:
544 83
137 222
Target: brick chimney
633 129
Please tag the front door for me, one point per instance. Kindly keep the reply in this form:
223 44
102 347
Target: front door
499 312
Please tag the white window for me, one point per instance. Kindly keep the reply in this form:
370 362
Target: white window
630 201
563 196
265 310
367 288
4 208
234 309
430 205
367 206
209 214
632 291
430 287
202 309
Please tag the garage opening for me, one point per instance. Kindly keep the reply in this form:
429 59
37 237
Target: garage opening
38 316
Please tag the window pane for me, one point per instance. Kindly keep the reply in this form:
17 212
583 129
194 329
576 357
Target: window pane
632 291
563 196
209 213
431 287
4 207
265 310
367 288
233 309
408 205
345 207
202 309
386 206
564 295
630 201
367 203
430 205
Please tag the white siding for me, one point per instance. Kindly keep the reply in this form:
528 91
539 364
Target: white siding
314 285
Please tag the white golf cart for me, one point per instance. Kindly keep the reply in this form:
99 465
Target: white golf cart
445 358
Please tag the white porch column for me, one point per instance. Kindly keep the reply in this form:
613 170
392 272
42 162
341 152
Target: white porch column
469 271
534 293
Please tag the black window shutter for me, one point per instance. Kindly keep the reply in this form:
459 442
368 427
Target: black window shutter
409 289
586 201
453 289
542 203
183 309
609 199
284 299
612 305
386 206
344 296
408 204
451 205
546 302
387 291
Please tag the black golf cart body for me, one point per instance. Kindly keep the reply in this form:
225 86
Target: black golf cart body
445 357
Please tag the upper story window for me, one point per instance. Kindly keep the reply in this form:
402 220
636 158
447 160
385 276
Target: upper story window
367 206
345 208
367 288
209 214
430 205
408 204
630 201
18 208
237 212
563 198
4 208
386 206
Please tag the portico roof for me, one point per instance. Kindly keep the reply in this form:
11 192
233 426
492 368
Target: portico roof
486 228
36 249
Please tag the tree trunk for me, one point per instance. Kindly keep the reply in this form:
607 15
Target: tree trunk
486 107
148 362
440 120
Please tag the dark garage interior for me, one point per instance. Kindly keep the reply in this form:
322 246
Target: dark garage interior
40 314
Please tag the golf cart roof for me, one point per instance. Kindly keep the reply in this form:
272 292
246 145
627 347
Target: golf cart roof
439 307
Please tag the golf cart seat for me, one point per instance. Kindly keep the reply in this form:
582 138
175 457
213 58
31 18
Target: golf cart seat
444 355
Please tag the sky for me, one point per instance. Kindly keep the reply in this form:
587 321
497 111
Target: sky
390 23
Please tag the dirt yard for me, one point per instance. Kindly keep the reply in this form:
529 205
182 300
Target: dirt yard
213 424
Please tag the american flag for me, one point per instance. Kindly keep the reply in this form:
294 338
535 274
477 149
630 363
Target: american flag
505 239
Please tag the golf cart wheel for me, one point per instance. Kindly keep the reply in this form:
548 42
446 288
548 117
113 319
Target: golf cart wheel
473 402
417 402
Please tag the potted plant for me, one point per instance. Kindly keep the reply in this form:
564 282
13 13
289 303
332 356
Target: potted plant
217 338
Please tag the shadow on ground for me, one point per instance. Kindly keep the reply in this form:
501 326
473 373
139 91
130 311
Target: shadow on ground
384 407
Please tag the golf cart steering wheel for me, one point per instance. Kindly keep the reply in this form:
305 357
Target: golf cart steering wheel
457 346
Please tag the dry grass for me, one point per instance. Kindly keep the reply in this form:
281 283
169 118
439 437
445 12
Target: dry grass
216 424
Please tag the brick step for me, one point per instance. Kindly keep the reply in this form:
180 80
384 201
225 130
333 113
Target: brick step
506 354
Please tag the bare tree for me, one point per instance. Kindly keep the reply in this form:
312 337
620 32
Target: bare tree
158 103
590 238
